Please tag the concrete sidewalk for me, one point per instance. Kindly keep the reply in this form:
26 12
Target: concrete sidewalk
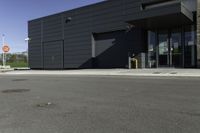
6 70
112 72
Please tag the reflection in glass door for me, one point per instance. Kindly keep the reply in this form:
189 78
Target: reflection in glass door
152 49
163 49
170 48
175 49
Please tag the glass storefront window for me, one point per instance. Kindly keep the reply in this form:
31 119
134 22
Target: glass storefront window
190 47
151 49
172 48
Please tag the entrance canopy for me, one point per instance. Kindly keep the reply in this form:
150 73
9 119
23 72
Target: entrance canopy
167 21
167 16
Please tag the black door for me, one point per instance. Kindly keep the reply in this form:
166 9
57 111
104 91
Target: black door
169 48
163 49
53 55
176 57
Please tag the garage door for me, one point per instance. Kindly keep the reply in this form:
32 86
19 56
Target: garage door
110 50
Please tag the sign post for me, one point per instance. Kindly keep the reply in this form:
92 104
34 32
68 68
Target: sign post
5 49
3 39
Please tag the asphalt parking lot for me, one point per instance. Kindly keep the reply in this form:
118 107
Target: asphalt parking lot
99 104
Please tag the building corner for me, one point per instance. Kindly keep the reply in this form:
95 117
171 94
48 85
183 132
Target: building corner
198 33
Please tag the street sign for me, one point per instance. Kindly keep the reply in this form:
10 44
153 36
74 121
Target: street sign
6 48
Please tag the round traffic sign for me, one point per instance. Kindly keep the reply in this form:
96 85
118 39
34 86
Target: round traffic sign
6 48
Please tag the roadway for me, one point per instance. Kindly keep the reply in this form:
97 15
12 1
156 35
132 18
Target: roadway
99 104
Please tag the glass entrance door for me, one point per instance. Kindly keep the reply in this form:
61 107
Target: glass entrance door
176 57
163 49
169 48
172 47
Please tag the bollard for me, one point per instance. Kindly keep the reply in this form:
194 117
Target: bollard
136 62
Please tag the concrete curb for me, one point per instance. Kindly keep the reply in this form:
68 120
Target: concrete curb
111 72
6 70
22 69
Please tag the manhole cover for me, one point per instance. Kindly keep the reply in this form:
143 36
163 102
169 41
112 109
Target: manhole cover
45 105
15 90
19 79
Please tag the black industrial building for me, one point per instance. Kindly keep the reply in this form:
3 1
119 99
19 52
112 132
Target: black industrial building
158 33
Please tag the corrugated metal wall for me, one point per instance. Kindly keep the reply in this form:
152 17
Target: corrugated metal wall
53 55
35 45
77 34
52 28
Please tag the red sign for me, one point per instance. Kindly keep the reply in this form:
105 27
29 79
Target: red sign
6 48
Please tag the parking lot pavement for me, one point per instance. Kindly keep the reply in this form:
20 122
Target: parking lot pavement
99 104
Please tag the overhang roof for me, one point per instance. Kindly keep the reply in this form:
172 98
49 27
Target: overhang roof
163 17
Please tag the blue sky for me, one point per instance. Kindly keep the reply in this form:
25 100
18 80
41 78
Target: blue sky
14 15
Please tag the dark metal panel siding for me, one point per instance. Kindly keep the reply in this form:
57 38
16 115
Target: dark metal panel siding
103 17
108 17
77 52
53 55
99 18
35 45
52 28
